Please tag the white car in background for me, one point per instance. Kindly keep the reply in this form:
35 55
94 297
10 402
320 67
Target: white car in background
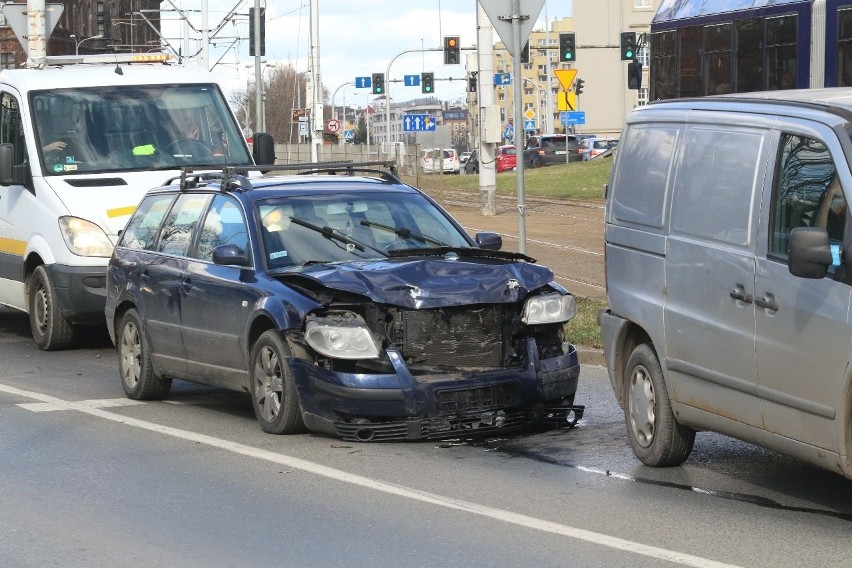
440 160
594 147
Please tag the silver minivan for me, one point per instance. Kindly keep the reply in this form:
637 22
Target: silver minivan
729 275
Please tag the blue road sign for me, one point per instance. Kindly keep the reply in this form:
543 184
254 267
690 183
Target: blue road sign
363 82
502 79
412 80
509 133
418 123
348 135
573 117
529 125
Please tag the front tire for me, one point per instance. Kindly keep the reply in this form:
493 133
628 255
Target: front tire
50 330
273 389
138 378
655 436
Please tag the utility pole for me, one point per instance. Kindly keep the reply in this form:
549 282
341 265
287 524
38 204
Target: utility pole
36 40
485 92
316 120
258 71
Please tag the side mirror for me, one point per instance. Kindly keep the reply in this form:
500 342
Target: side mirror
489 241
230 255
809 253
263 150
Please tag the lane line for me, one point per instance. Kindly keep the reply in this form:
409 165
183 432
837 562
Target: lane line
384 487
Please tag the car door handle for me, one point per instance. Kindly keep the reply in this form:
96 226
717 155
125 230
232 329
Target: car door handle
767 302
740 294
144 276
186 284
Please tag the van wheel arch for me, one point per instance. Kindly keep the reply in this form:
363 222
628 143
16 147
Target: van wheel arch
633 337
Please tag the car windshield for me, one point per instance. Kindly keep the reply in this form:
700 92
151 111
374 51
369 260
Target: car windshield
299 230
120 128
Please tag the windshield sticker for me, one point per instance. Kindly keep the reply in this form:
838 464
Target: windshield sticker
70 167
279 254
58 167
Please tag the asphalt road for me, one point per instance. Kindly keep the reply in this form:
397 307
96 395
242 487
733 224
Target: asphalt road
88 478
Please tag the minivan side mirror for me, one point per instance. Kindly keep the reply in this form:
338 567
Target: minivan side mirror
489 241
230 255
263 149
809 253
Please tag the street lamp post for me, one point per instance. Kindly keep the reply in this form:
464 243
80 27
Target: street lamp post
77 43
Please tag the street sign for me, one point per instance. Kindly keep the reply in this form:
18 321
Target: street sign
529 114
412 80
17 19
509 134
303 129
576 117
348 135
418 123
566 100
502 79
500 12
529 125
333 125
565 76
363 82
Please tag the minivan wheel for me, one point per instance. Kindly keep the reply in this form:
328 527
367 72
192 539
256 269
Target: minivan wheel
273 390
50 330
656 437
138 378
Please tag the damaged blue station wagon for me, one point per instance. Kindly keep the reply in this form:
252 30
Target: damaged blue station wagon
344 302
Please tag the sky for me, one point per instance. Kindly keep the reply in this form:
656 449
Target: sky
356 38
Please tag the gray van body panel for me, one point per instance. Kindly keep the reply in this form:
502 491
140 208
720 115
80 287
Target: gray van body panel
689 269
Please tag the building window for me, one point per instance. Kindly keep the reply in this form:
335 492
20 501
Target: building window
7 60
643 54
642 96
643 4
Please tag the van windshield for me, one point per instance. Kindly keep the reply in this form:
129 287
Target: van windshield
120 128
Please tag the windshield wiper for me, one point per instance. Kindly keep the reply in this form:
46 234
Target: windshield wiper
332 233
404 233
461 251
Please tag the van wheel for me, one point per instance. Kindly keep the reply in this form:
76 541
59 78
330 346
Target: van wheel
656 437
273 389
138 378
50 330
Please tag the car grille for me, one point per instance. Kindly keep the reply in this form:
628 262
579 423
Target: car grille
455 337
477 399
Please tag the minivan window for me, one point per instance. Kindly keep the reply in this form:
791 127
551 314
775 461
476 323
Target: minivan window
648 160
807 193
716 180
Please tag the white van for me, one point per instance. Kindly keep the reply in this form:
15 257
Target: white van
729 274
81 141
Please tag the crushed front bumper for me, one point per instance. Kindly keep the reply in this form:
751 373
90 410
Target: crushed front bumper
402 406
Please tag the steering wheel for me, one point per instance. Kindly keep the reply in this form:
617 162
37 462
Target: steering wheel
189 146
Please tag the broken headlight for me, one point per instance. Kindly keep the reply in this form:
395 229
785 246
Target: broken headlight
548 308
344 336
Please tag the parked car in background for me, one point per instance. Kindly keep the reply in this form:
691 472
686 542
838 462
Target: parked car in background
345 302
471 166
594 147
548 149
506 159
463 158
440 160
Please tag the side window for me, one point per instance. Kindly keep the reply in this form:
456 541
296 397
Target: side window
141 230
11 127
807 193
223 225
180 223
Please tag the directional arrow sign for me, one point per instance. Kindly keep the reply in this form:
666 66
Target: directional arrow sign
412 80
500 12
502 79
566 77
363 82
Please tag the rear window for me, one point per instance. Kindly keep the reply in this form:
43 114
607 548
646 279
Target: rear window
508 151
553 142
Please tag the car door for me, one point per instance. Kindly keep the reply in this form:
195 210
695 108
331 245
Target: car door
216 302
710 266
802 345
162 278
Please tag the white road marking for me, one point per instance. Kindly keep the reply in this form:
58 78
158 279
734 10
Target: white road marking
96 403
376 485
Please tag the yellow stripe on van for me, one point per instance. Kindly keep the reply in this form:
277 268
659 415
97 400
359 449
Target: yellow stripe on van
12 246
120 211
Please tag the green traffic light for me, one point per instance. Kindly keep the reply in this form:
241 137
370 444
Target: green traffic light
629 54
569 56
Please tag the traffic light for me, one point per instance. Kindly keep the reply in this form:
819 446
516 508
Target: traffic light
525 53
567 48
452 50
628 46
634 75
252 50
427 83
378 83
578 86
471 82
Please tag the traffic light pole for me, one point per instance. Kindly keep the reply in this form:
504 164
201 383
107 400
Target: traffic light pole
517 46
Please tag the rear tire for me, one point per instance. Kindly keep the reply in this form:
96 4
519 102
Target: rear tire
50 330
273 389
655 436
138 378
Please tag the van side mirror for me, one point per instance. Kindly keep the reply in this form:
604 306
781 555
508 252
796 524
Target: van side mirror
263 149
230 255
809 252
489 241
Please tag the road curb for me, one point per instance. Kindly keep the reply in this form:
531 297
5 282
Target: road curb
589 356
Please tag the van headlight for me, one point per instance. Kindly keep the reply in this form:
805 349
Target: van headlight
549 308
342 337
84 238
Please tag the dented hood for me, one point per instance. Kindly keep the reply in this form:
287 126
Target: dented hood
432 283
